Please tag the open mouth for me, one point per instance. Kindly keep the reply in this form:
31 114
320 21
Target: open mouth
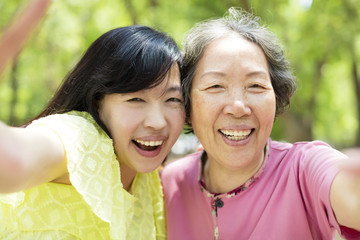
147 145
236 135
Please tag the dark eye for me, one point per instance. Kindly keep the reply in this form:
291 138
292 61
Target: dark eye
214 87
135 100
256 86
174 99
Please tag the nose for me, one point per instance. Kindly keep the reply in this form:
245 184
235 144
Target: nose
237 105
155 118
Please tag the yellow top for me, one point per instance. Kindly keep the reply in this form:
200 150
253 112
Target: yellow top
95 206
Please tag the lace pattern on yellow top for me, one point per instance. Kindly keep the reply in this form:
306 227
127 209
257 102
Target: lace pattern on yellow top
95 205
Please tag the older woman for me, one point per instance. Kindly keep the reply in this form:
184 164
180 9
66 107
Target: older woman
244 185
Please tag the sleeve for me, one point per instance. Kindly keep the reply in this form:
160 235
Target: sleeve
93 169
318 167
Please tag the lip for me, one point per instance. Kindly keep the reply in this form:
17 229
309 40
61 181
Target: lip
237 127
151 138
149 154
153 153
241 142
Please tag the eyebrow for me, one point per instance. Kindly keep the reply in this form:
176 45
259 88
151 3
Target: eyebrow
212 73
172 89
252 73
258 72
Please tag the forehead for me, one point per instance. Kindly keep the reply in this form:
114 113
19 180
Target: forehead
231 42
232 51
170 82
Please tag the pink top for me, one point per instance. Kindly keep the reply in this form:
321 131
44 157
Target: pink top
289 199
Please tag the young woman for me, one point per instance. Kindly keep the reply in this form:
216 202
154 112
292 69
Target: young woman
85 168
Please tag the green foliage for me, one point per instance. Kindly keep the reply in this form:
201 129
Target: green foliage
322 40
337 95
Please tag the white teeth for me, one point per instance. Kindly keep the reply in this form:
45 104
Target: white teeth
149 143
236 135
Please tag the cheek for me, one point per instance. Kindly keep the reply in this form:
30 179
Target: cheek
266 110
200 105
271 105
176 117
122 126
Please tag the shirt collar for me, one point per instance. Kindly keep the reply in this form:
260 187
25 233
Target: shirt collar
239 189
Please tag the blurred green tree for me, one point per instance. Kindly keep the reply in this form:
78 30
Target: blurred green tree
321 38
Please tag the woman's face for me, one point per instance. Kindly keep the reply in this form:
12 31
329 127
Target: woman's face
232 103
144 125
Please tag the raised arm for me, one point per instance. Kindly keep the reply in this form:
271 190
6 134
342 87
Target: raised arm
345 193
19 30
29 157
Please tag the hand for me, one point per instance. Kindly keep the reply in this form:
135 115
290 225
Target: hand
18 31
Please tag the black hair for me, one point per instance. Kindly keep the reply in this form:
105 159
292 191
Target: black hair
122 60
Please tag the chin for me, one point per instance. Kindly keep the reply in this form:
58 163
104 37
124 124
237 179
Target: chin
148 169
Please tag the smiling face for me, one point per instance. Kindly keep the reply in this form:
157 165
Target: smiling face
145 124
232 103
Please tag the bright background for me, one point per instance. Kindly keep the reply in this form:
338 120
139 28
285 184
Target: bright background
321 39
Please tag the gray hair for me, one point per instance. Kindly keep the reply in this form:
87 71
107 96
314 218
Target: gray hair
246 25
